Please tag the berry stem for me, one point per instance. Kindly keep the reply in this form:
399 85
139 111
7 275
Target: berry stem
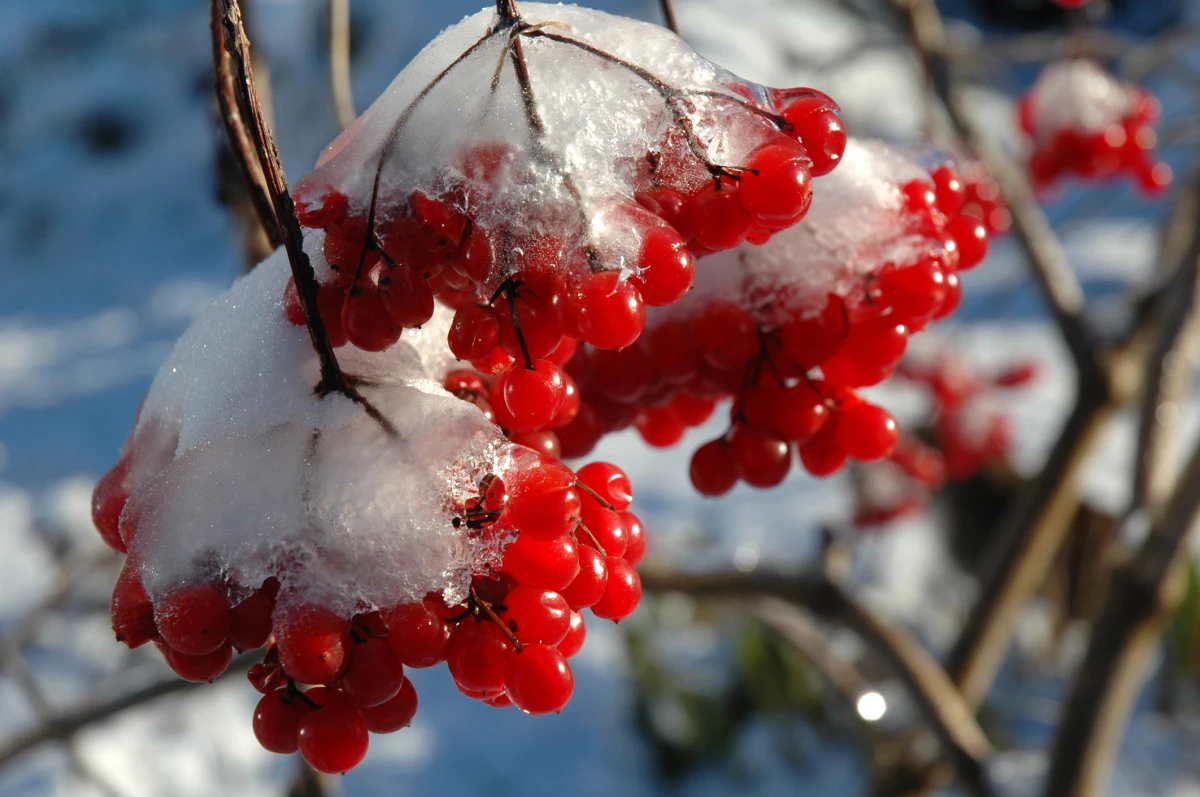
491 613
604 502
507 11
592 537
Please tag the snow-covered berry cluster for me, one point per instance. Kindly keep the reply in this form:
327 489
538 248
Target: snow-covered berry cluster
1085 122
790 329
983 199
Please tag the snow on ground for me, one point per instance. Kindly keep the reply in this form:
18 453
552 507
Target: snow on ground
113 239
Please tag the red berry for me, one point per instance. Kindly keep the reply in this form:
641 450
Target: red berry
602 527
333 738
396 713
538 680
543 500
869 354
952 298
725 334
607 481
622 592
712 470
312 644
541 331
588 586
546 564
822 456
108 499
374 674
132 612
476 655
534 394
811 340
914 292
779 187
474 332
193 621
820 130
660 427
691 410
717 218
198 669
666 267
608 310
865 431
635 534
277 720
949 189
366 322
407 298
418 634
761 460
972 239
576 634
536 616
250 620
797 412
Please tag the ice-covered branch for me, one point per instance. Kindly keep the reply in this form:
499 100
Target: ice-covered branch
931 690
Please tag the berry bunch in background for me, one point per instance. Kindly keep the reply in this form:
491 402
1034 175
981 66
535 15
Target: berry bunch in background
789 330
964 433
1086 123
983 199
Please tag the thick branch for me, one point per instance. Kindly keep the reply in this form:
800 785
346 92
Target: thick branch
339 62
931 690
229 36
1123 640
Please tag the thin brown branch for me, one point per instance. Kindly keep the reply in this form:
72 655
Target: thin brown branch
64 726
507 11
339 62
931 690
668 14
1123 640
309 783
241 148
229 38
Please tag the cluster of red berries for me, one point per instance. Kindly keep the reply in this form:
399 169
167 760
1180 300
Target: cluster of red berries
963 439
571 544
719 348
983 199
1106 142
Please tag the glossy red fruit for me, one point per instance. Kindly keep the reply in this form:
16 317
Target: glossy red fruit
572 643
864 431
538 680
869 353
972 239
820 130
374 674
194 620
333 738
725 334
666 267
607 481
132 612
418 633
717 218
950 190
761 459
546 564
476 656
250 620
660 427
588 586
543 500
622 592
394 714
812 339
779 186
406 296
603 527
198 669
798 412
312 644
608 310
277 720
635 534
474 332
108 499
534 394
822 456
712 470
536 616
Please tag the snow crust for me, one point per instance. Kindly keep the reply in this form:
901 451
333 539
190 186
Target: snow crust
456 126
240 471
857 223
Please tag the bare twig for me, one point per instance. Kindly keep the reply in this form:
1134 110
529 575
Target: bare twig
339 62
668 14
507 11
229 37
931 690
241 147
1124 637
66 725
